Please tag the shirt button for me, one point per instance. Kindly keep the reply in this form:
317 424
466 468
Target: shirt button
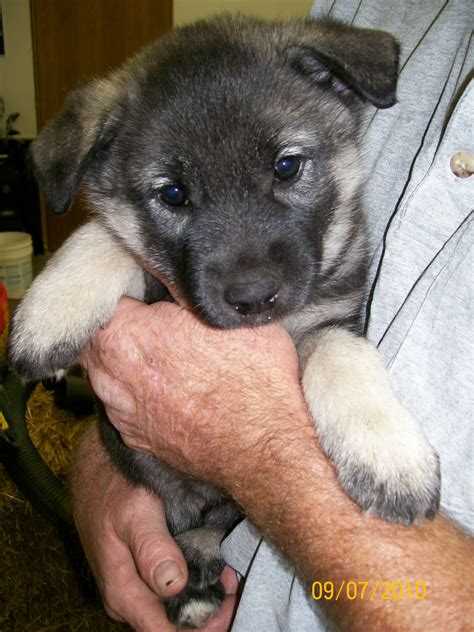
462 164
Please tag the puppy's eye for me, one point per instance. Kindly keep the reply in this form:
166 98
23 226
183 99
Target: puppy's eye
287 167
174 195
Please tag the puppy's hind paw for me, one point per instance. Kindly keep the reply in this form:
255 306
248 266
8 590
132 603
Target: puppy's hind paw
193 607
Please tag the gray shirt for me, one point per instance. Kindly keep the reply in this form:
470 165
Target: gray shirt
421 222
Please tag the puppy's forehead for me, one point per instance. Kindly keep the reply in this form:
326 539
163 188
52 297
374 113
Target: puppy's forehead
218 48
233 93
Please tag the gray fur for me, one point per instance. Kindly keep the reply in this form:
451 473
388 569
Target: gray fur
214 108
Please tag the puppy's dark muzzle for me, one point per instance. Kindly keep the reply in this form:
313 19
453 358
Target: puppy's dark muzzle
253 297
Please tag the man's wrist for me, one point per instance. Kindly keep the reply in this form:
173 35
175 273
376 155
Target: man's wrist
280 481
92 471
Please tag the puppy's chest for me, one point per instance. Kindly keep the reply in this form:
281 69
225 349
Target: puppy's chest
155 290
343 311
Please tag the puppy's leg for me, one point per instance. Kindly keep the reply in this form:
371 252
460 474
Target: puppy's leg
382 458
73 297
203 595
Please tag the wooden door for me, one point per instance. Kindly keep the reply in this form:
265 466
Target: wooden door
77 39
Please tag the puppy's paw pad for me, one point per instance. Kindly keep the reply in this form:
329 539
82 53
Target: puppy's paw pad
193 608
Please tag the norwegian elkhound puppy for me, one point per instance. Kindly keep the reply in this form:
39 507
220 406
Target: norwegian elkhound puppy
224 159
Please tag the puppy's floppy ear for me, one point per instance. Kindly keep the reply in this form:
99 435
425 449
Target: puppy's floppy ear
347 58
67 145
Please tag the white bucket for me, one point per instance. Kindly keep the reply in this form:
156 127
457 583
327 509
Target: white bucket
16 252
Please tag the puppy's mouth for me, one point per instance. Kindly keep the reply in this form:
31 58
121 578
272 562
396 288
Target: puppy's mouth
253 299
241 307
243 318
232 319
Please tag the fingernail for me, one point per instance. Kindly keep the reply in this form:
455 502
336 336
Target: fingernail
166 575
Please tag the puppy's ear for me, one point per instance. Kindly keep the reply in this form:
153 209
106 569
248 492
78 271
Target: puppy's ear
68 144
349 59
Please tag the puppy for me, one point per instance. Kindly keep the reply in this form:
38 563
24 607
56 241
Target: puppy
224 159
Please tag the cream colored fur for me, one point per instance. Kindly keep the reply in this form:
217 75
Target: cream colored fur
76 294
366 431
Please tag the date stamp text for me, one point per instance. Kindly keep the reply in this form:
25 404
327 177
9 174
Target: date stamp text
382 590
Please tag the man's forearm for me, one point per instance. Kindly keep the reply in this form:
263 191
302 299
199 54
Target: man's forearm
289 489
293 495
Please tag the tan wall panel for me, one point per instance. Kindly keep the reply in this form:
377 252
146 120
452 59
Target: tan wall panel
188 10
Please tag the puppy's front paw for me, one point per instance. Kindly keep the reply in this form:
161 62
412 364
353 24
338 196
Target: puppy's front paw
382 458
75 295
390 468
42 347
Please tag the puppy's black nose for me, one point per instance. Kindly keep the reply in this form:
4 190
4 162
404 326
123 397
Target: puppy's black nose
253 297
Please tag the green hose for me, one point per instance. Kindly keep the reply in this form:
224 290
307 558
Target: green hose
46 492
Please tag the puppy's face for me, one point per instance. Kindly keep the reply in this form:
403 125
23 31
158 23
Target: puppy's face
231 181
229 164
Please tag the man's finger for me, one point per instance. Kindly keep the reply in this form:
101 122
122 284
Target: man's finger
157 557
129 599
222 620
230 581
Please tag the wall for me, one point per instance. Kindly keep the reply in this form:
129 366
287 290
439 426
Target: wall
17 86
16 67
189 10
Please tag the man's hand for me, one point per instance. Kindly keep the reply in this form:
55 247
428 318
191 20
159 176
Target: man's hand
227 406
155 387
166 377
134 559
